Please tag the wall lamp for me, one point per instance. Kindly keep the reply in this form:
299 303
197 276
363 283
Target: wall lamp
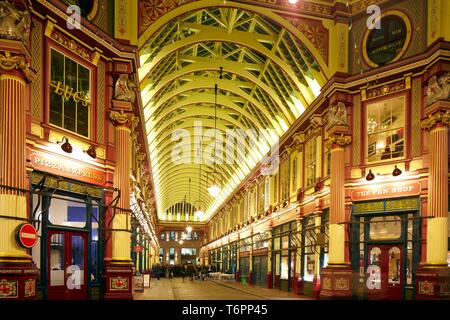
396 171
66 146
370 176
91 152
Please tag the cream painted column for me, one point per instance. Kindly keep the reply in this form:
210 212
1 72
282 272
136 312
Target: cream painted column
433 275
123 125
437 226
336 254
17 270
13 203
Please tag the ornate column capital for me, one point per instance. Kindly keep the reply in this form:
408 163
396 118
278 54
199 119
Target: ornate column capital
299 138
438 117
120 118
335 140
9 62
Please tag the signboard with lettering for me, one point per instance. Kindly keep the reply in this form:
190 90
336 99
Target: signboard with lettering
67 168
383 191
388 43
138 283
146 280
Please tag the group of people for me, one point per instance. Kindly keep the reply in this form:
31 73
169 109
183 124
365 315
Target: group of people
187 270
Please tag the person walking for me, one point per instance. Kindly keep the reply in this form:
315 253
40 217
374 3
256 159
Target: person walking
183 272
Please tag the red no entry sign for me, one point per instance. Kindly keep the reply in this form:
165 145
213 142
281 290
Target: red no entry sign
26 235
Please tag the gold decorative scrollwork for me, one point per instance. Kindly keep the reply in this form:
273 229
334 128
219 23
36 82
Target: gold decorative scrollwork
433 119
341 140
9 62
122 118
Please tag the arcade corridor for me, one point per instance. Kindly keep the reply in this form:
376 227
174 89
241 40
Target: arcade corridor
284 149
177 289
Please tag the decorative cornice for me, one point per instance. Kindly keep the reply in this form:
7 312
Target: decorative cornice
437 117
10 62
340 140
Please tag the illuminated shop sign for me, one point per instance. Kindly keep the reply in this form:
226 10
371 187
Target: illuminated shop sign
382 191
67 168
68 93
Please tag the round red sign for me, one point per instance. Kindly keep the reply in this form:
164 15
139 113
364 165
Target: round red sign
26 235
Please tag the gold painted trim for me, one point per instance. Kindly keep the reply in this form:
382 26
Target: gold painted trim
94 11
407 22
6 76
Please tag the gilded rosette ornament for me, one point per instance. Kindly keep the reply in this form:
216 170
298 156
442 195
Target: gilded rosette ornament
124 119
10 62
433 119
341 140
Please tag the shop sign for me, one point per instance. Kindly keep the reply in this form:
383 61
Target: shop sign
26 235
138 283
146 281
68 168
383 191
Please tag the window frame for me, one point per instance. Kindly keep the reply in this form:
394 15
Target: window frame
311 140
365 151
92 113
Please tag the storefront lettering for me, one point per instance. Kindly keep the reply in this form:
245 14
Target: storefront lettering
386 191
68 167
68 92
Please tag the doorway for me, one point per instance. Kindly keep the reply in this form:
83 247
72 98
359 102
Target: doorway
384 272
67 265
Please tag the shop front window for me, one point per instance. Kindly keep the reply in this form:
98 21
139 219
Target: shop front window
385 228
94 243
374 269
284 268
57 262
386 130
69 212
309 248
394 266
69 94
310 262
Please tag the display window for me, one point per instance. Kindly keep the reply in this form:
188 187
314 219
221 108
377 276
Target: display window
309 251
386 130
70 94
310 162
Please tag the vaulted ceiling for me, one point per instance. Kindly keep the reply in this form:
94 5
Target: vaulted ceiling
269 78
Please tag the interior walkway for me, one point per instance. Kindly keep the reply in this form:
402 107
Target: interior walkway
176 289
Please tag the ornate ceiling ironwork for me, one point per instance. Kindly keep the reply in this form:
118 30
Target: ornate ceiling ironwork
269 78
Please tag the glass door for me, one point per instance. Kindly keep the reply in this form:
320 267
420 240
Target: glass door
67 274
292 262
384 272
